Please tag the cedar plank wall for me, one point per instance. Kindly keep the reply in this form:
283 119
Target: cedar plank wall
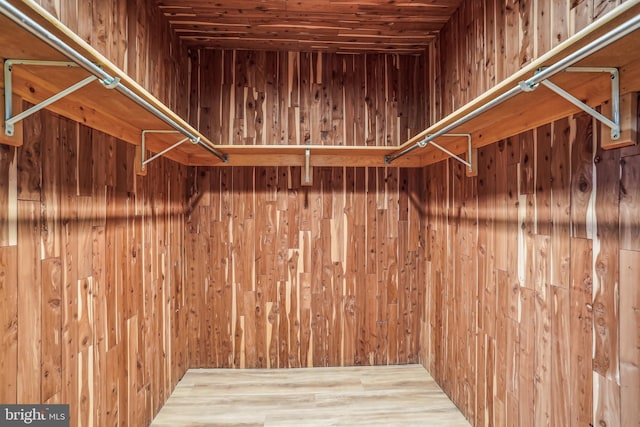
532 272
91 257
91 275
295 276
135 36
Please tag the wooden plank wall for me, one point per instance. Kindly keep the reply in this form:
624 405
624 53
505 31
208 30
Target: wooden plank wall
91 257
531 303
303 276
247 97
531 294
91 275
295 276
135 36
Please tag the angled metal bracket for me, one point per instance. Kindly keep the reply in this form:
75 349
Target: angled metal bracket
195 141
307 158
144 161
614 122
468 162
428 140
9 119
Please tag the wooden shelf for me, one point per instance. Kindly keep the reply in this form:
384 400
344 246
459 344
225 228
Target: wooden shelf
93 105
117 115
532 109
294 155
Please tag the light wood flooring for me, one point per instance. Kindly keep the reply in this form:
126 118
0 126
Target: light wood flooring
354 396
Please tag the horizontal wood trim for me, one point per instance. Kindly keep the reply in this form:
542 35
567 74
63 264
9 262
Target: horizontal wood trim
240 41
294 155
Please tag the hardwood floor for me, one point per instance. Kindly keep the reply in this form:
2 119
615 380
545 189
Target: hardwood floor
355 396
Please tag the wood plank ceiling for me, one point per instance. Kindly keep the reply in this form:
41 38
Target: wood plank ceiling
406 26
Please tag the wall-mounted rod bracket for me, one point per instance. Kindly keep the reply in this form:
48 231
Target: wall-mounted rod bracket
468 162
429 140
144 162
110 83
614 122
9 119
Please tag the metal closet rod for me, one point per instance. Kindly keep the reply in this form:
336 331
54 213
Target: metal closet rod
531 83
46 36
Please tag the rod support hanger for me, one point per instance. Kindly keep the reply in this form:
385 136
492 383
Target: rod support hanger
528 86
143 161
111 82
429 140
614 122
468 163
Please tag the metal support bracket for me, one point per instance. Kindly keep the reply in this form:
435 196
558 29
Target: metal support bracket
468 163
144 161
614 122
307 158
195 141
9 119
